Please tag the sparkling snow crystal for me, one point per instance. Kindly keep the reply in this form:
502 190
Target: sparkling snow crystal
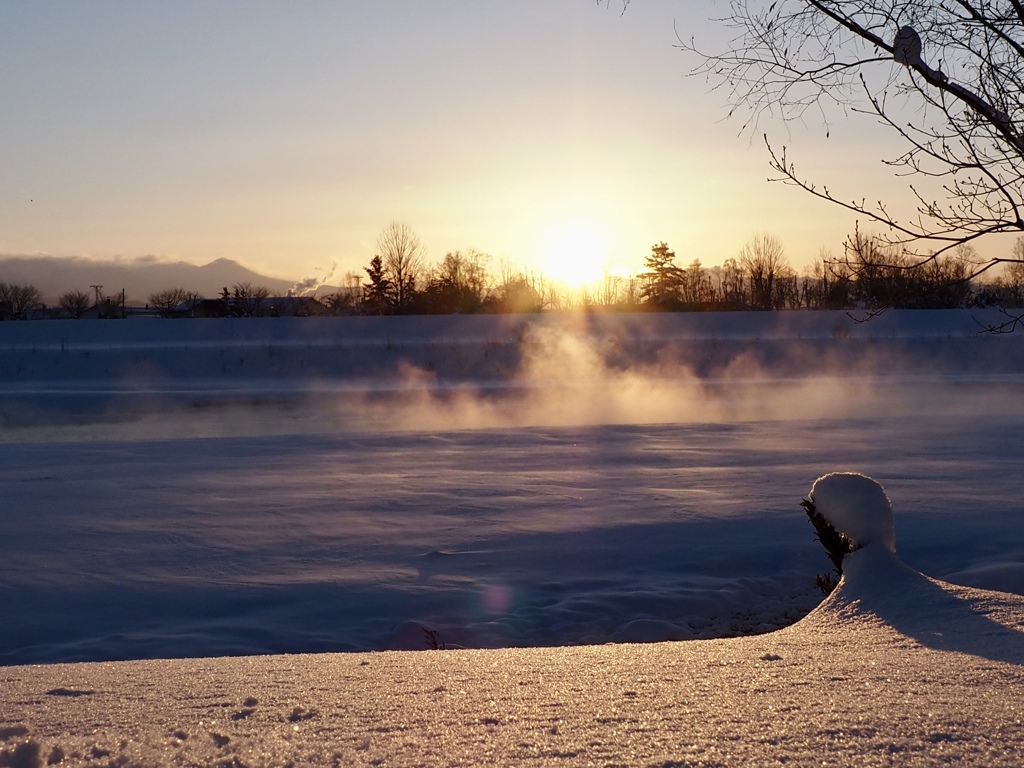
857 506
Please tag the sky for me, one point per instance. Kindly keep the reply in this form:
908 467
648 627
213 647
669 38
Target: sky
559 136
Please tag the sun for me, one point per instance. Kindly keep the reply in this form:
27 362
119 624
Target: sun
575 255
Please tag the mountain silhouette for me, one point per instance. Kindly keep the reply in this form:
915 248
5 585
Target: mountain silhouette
138 278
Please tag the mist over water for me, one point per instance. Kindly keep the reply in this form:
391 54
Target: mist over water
152 379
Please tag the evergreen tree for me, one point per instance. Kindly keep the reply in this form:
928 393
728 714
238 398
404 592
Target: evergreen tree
663 279
376 292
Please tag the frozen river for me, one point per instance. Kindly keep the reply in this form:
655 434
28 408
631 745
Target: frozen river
206 488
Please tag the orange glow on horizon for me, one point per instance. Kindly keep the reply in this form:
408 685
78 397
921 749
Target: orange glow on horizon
575 254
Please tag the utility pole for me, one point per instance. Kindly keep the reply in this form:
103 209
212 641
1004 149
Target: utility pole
97 289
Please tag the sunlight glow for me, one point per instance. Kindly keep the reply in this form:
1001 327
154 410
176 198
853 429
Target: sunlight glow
575 254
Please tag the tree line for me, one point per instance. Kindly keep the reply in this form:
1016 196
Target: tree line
872 273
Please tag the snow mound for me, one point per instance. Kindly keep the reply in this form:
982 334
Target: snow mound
856 506
883 600
886 602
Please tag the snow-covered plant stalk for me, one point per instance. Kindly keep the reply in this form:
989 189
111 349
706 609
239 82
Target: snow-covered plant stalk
849 511
836 544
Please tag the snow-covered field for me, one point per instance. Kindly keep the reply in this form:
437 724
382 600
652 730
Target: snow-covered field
893 669
216 488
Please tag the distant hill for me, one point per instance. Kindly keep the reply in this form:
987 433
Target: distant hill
54 275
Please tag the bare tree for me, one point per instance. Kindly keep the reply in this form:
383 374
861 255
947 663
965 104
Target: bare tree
166 301
17 302
632 291
733 284
697 289
946 77
75 303
611 290
346 299
828 284
247 299
466 270
764 262
519 294
192 299
170 300
402 255
459 283
1014 277
880 271
883 275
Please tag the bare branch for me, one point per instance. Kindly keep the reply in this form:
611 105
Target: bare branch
947 78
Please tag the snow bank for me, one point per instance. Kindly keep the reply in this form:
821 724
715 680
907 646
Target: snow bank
893 668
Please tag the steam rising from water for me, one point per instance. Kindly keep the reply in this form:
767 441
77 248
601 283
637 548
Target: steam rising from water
380 374
564 378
